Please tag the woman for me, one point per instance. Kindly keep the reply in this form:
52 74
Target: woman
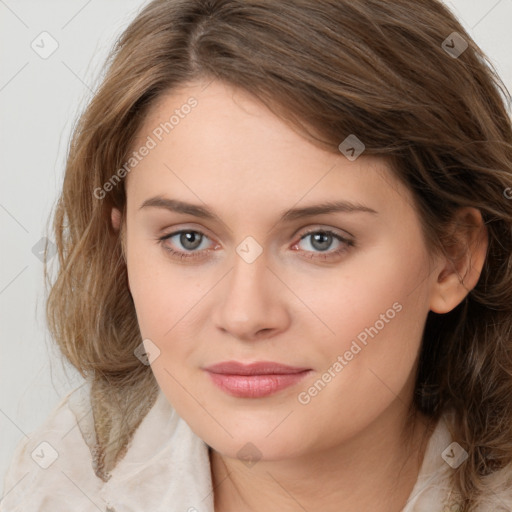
285 246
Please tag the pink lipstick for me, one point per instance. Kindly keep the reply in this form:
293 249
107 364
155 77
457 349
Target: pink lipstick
255 380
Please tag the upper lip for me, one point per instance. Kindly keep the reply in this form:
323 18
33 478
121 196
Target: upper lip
257 368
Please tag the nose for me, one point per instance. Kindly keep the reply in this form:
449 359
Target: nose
251 301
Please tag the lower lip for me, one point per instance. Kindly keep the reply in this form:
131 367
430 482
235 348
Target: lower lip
255 386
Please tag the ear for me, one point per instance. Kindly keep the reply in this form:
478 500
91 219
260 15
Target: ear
115 217
462 265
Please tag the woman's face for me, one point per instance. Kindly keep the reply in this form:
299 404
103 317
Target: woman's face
271 266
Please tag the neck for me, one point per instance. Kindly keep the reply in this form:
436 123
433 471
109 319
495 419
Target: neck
376 470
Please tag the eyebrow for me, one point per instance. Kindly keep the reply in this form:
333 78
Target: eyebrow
289 215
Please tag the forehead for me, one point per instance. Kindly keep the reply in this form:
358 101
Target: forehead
217 142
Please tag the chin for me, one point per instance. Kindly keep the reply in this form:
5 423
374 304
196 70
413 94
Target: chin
256 440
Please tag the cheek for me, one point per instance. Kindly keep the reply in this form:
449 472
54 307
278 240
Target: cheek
377 313
155 296
169 300
379 293
164 306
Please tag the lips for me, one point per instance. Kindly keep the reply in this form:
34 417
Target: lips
254 380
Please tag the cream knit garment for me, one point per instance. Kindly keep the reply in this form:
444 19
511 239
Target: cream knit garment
166 468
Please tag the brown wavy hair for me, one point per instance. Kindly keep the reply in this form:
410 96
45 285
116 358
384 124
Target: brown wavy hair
330 68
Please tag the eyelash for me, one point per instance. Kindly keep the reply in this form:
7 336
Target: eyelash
181 255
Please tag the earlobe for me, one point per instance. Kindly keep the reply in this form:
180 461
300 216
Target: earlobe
448 291
463 262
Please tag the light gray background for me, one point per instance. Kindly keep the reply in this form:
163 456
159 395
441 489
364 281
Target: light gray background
39 103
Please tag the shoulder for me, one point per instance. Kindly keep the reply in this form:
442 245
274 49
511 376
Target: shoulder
166 464
434 489
48 457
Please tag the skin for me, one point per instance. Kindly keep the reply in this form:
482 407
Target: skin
343 450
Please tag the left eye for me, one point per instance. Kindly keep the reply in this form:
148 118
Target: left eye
322 240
